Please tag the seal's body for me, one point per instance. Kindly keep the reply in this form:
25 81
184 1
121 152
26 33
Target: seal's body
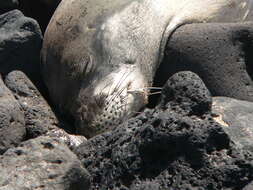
99 56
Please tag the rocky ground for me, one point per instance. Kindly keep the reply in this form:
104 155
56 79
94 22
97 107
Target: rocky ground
198 135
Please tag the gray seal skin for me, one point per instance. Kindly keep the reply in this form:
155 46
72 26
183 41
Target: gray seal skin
99 56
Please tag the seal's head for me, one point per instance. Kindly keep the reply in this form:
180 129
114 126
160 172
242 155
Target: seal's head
108 101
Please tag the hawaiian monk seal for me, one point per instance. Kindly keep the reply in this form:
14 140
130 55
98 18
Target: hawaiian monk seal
99 56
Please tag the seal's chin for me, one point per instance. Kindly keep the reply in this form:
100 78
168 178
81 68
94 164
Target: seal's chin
123 94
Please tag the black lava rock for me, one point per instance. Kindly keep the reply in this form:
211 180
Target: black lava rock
42 163
168 148
236 118
39 117
186 91
20 44
220 53
249 186
12 123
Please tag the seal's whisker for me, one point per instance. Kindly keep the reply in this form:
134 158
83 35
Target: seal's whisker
153 93
119 92
101 91
117 87
145 88
153 88
124 76
120 82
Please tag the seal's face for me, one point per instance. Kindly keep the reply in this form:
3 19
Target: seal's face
118 96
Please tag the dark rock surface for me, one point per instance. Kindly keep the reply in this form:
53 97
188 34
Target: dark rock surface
236 118
7 5
221 54
20 44
188 94
12 124
43 163
249 186
174 146
39 117
40 10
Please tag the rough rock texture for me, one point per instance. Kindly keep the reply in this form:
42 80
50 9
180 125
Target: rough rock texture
40 10
20 44
236 118
12 124
175 146
44 164
7 5
221 54
249 186
186 93
39 117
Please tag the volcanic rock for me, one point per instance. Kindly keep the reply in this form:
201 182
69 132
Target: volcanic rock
20 44
236 118
12 124
188 93
220 53
39 117
249 186
42 163
174 146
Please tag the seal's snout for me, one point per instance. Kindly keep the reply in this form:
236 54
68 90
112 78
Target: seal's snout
116 98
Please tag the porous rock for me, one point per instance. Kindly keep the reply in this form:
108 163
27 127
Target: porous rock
43 163
170 147
236 118
220 53
188 92
12 124
7 5
20 44
39 117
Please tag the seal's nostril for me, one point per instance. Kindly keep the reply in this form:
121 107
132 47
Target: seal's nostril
129 85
